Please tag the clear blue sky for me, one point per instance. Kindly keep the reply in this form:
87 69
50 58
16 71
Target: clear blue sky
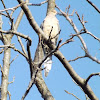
58 79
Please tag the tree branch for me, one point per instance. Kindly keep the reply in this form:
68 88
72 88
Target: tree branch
77 58
73 25
6 66
16 33
13 59
93 6
58 54
13 8
31 4
90 76
3 14
16 26
29 56
79 32
72 95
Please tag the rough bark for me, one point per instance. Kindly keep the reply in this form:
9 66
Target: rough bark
6 67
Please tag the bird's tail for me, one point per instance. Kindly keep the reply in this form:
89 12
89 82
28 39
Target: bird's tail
47 65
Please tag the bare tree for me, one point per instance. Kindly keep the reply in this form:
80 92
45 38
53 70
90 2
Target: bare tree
36 64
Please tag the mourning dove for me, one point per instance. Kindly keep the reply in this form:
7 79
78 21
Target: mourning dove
50 27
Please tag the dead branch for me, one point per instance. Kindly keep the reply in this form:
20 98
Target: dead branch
72 95
93 6
90 76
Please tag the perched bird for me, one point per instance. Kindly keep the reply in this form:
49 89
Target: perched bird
51 28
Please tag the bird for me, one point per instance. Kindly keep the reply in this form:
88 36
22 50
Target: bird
51 28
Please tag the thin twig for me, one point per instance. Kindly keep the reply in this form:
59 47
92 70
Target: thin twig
22 46
3 14
90 76
19 52
93 36
12 80
77 58
87 32
11 20
13 59
72 95
67 41
81 21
